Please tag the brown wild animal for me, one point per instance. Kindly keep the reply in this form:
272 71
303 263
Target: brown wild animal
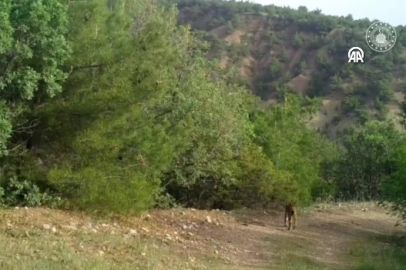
290 211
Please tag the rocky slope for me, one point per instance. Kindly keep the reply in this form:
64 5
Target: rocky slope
278 50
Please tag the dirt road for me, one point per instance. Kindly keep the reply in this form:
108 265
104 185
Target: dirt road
326 238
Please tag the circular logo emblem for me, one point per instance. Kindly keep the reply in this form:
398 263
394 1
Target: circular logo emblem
381 37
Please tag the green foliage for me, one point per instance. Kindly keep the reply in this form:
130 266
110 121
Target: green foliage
219 130
303 66
177 124
24 193
347 72
115 108
370 254
262 183
291 146
360 170
317 38
363 116
336 82
381 87
351 104
394 188
33 50
275 69
238 51
381 108
297 41
318 86
229 28
122 147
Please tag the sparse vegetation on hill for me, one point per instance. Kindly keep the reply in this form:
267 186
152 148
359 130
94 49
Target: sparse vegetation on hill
281 50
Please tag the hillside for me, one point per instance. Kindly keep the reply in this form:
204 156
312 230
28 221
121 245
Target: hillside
117 110
328 237
111 112
278 50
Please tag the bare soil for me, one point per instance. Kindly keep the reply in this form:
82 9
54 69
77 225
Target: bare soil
199 239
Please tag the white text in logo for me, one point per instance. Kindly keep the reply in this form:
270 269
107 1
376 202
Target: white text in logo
355 55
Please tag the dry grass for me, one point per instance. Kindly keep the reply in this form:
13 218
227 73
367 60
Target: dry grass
329 236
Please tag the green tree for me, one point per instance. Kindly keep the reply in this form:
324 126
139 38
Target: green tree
260 183
366 161
303 66
394 188
229 27
297 41
33 50
336 82
275 69
351 104
147 113
113 132
291 146
218 129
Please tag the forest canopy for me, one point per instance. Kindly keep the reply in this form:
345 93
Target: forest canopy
114 107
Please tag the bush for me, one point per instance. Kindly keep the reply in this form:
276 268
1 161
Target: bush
25 193
92 190
351 104
394 187
324 192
